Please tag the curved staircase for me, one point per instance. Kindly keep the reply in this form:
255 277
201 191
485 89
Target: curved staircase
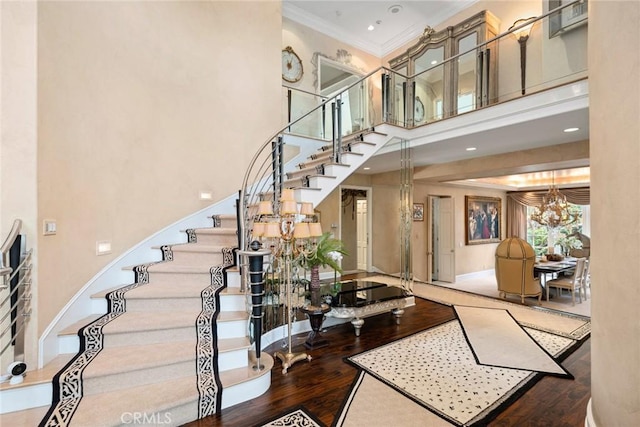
173 346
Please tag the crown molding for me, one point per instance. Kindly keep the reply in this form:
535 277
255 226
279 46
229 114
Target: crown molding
408 35
305 18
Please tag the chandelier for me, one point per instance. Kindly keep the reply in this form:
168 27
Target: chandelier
554 210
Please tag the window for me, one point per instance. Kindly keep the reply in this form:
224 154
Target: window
538 235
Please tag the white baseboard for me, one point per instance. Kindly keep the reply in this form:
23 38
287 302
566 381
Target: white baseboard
476 275
589 421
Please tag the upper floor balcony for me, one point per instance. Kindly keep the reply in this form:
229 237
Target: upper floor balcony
509 91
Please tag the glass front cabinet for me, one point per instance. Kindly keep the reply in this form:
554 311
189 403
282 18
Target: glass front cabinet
449 73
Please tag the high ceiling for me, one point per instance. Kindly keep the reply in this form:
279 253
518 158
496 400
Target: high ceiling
395 23
398 23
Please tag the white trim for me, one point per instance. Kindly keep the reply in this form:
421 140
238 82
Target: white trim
27 397
589 420
476 275
80 305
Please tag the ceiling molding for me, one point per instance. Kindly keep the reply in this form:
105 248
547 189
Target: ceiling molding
303 17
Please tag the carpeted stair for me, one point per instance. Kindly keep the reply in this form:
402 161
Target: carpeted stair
173 346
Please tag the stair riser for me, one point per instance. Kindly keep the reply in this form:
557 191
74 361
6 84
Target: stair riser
227 240
245 391
197 258
175 279
164 304
149 337
228 222
232 303
123 380
232 329
233 359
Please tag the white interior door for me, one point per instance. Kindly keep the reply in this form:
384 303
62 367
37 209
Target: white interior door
446 242
362 235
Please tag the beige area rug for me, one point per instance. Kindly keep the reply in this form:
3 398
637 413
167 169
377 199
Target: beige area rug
557 322
497 340
452 374
437 371
297 417
486 285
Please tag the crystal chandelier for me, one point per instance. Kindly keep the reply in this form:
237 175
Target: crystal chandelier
554 210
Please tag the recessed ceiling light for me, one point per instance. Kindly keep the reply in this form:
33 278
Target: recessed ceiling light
371 28
367 168
434 62
471 148
396 8
571 129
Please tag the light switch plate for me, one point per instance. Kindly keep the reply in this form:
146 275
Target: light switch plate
49 227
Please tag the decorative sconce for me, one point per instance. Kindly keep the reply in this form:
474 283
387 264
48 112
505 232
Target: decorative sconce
521 33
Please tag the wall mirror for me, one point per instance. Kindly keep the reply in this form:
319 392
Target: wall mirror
333 76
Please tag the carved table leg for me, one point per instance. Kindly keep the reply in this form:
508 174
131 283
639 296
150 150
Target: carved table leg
357 325
397 312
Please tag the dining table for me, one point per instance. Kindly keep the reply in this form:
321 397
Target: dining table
543 268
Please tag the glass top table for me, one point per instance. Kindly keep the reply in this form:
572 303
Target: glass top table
356 299
358 293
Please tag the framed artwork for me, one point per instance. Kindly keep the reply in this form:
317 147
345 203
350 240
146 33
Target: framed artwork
483 219
418 211
567 18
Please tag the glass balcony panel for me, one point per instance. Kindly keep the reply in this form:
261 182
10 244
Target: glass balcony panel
429 95
466 71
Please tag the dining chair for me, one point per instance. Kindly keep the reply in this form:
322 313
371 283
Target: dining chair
572 283
586 278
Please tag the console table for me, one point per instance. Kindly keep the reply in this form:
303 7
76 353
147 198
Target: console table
361 298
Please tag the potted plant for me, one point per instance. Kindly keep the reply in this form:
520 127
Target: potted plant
326 252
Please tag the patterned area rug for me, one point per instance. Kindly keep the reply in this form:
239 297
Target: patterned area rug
298 417
438 369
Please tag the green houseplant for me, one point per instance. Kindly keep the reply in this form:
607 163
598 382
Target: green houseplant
327 251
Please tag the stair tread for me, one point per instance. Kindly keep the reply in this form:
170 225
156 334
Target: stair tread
155 398
74 327
216 230
194 247
175 267
231 316
27 417
42 375
150 321
114 360
239 375
159 290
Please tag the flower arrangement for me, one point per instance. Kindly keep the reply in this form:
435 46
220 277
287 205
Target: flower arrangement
569 242
327 252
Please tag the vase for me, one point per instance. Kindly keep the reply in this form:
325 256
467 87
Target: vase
314 286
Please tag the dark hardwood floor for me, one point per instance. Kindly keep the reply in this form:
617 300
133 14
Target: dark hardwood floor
322 384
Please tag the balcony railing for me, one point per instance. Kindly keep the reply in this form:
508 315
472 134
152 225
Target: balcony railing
15 291
487 74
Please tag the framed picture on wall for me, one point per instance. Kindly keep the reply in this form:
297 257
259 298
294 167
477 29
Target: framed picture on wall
567 18
483 219
418 211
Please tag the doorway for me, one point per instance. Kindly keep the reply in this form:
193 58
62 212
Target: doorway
355 227
440 239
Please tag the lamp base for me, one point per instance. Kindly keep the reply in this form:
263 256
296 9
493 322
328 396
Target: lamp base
288 359
316 317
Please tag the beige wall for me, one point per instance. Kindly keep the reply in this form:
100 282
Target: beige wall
306 42
18 141
469 258
140 106
614 108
